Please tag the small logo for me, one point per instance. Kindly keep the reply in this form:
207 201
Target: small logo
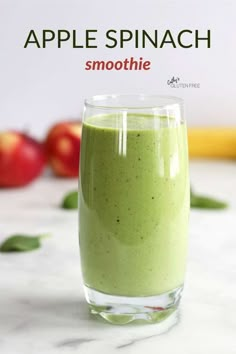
175 82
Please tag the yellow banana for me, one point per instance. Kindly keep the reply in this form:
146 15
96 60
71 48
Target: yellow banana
212 142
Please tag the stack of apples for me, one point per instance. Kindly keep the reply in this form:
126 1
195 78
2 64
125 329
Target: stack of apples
23 158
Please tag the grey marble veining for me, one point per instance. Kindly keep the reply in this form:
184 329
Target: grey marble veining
42 306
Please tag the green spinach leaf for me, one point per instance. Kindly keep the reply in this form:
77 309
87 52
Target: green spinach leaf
205 202
21 243
70 200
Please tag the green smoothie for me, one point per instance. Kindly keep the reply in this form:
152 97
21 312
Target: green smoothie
134 204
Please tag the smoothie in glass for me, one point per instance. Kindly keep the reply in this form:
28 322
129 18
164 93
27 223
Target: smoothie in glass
134 204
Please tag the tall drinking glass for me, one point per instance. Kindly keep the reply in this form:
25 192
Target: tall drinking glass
134 206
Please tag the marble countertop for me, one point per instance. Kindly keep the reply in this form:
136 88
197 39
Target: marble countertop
42 306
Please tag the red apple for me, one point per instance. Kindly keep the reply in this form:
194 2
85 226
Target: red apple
63 148
22 159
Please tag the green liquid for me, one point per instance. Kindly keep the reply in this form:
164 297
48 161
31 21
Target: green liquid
134 205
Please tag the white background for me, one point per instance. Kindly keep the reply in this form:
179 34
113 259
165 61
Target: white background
40 86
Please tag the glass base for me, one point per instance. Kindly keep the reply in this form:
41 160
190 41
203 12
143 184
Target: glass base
124 309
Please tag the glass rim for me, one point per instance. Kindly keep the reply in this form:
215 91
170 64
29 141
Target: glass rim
99 101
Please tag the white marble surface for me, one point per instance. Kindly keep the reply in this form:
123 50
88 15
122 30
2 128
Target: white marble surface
42 308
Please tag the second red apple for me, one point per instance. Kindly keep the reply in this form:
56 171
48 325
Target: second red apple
63 148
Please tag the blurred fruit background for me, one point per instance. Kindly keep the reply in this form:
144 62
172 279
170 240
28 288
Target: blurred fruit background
23 158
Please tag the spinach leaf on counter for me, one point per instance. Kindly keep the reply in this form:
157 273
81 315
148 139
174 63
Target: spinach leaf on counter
205 202
21 243
70 200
